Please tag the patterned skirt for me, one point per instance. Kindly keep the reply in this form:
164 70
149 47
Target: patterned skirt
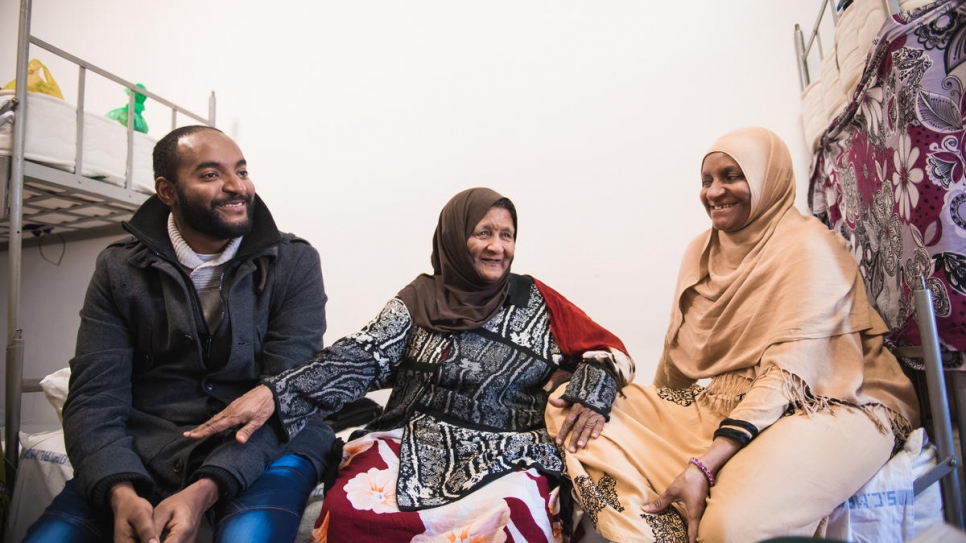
361 507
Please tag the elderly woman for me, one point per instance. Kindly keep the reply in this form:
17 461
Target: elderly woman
802 403
471 353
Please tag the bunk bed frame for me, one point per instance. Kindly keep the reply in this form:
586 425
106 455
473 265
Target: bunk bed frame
57 201
948 469
803 47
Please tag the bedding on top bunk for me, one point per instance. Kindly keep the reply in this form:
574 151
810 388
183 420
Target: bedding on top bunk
51 138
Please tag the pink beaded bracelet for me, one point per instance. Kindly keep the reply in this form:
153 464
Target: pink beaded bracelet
702 467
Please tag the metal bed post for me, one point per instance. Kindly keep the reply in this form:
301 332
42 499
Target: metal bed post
803 48
79 143
803 79
211 109
129 161
948 465
14 353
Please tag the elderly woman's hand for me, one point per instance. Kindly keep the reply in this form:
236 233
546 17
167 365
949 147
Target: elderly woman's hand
582 424
250 411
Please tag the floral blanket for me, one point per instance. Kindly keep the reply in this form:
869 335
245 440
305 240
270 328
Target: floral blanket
889 173
520 507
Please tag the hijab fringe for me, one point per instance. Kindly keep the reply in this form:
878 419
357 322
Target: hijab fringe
800 395
725 392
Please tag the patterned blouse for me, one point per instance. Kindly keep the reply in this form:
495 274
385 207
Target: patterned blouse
471 404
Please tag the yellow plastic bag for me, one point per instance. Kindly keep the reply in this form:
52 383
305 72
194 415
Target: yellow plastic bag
36 82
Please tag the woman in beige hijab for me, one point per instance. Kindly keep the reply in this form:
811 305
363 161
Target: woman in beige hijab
799 403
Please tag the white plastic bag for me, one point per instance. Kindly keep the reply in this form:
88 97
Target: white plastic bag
885 510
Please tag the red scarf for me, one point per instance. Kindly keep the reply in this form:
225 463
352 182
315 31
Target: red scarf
575 332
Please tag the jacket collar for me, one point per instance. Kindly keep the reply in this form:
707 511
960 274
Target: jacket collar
149 226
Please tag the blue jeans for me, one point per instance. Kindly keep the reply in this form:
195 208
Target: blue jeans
267 511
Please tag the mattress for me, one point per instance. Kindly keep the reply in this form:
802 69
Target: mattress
51 139
51 131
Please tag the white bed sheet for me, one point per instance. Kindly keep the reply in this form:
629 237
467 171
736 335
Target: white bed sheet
51 134
51 139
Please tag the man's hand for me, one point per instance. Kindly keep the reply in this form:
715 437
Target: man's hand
133 516
582 423
179 516
250 411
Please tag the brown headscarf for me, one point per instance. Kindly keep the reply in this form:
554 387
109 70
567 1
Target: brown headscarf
455 298
781 277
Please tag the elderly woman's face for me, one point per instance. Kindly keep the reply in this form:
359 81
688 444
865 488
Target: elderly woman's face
492 243
725 192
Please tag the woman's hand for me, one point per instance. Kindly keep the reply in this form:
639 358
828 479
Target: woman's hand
582 423
690 489
250 411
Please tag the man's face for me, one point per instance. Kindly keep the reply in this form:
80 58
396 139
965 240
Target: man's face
213 191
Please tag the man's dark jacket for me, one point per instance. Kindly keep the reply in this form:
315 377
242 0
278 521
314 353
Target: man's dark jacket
146 368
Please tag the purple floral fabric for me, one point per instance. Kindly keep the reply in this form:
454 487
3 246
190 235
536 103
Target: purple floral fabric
889 173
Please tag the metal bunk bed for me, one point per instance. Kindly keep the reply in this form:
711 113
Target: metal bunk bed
57 201
948 470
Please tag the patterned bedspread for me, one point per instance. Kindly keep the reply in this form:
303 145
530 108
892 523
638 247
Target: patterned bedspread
361 507
889 173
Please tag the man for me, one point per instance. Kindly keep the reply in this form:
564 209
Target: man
188 314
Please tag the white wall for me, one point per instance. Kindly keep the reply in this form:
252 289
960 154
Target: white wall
361 118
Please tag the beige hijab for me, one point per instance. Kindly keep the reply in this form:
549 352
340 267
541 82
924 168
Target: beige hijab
781 277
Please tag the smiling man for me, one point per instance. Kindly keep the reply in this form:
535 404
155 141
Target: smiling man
203 300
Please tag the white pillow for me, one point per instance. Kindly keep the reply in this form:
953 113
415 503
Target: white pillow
55 388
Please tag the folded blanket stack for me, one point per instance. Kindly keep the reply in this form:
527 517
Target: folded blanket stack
857 28
814 118
842 65
834 98
909 5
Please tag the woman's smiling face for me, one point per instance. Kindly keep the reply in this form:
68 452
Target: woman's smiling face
725 192
492 243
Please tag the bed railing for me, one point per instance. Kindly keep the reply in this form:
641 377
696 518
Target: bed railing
803 47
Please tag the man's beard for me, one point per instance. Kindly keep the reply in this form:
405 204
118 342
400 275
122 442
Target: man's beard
206 219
